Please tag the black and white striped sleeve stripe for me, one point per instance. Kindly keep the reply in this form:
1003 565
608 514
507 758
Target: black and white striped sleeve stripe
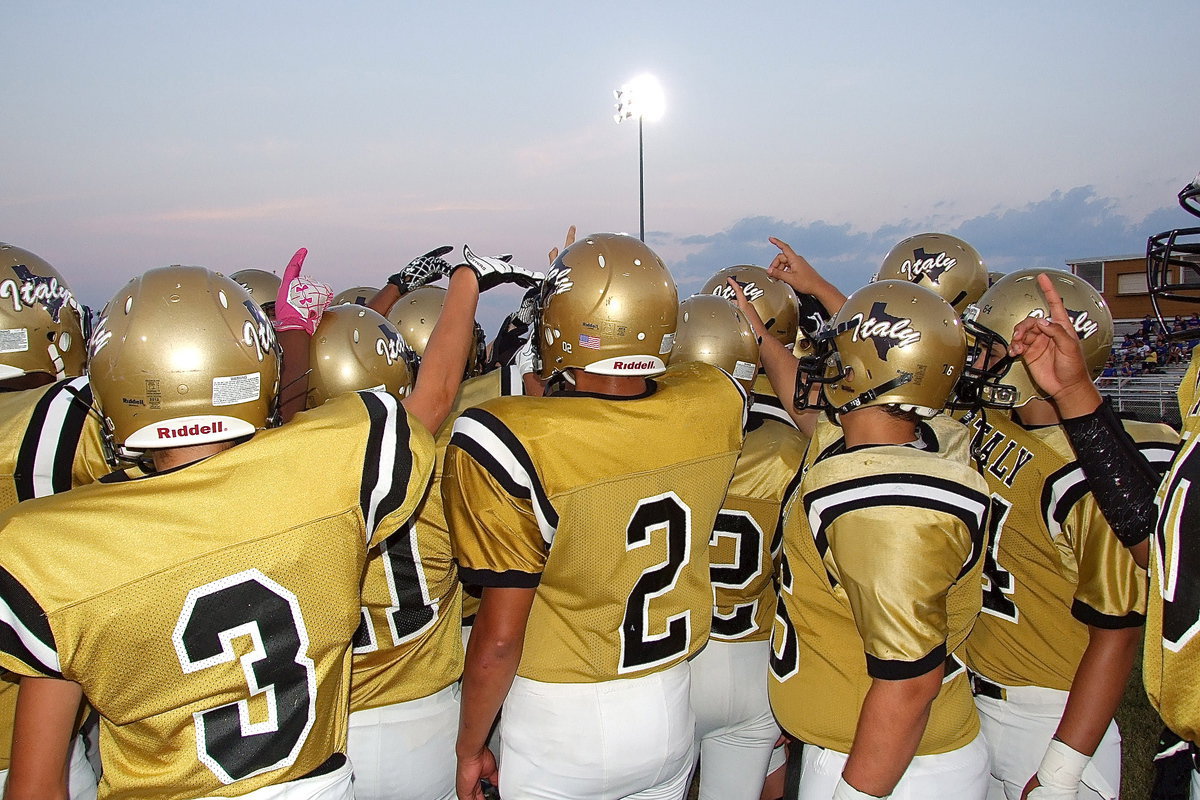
768 407
24 631
47 452
1159 454
1067 486
387 467
826 504
493 446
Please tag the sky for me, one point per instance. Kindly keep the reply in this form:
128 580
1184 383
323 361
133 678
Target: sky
227 134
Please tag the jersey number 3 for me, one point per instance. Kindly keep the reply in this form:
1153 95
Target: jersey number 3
640 648
276 667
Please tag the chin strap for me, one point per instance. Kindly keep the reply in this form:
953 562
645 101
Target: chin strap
871 394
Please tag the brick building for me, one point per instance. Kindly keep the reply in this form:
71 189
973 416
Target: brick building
1122 282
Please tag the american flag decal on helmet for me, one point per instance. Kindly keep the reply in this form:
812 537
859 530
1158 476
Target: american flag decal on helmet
590 342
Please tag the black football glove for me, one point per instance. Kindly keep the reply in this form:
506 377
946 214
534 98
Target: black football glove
422 270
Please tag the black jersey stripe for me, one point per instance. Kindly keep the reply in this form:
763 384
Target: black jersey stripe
896 670
497 449
1159 454
903 489
1068 485
764 406
387 467
47 450
24 630
792 487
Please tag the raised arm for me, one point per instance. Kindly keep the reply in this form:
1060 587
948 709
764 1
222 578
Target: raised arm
794 270
421 270
1122 480
298 308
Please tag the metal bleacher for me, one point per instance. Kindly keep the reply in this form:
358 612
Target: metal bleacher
1150 398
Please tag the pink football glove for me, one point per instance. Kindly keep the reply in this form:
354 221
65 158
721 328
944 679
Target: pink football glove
301 301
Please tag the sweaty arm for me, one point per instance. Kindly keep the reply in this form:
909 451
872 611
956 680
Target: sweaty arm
46 717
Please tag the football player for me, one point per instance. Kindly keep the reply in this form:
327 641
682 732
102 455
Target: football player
1063 603
945 264
263 287
735 731
585 515
215 644
1160 530
407 651
882 553
51 440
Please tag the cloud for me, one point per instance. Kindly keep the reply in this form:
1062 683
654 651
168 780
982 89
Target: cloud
1070 224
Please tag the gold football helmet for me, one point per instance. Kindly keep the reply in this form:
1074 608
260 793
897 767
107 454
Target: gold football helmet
946 264
713 330
1017 296
40 322
893 343
608 306
415 315
356 348
183 356
774 300
262 285
358 295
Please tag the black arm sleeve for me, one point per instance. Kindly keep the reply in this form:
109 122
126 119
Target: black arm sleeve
1122 480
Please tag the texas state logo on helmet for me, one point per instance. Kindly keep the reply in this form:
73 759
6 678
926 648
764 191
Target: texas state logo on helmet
1016 297
183 356
894 343
608 306
945 264
40 321
775 302
356 348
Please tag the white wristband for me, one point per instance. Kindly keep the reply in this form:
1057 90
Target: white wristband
844 791
1062 766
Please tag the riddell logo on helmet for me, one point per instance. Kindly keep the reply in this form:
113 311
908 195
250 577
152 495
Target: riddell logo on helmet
646 364
189 430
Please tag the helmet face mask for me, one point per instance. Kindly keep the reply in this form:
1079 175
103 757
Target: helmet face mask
183 356
896 344
608 306
41 324
988 361
1173 263
945 264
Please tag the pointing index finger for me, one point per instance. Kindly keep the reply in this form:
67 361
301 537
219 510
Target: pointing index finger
1058 312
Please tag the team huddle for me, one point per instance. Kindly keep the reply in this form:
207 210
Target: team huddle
265 542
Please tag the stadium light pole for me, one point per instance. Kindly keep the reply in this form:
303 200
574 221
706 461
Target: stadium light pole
641 98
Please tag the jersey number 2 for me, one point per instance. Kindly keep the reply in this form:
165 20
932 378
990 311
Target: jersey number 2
276 667
640 648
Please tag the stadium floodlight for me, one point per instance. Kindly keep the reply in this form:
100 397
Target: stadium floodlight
640 99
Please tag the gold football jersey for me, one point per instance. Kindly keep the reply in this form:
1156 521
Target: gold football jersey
882 553
941 434
214 642
409 643
1172 656
49 442
744 542
605 506
1053 566
764 403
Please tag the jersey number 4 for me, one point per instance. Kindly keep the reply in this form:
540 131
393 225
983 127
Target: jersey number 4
998 583
640 648
276 667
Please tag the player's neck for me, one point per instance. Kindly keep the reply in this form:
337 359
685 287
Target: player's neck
172 457
873 425
615 385
1037 413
